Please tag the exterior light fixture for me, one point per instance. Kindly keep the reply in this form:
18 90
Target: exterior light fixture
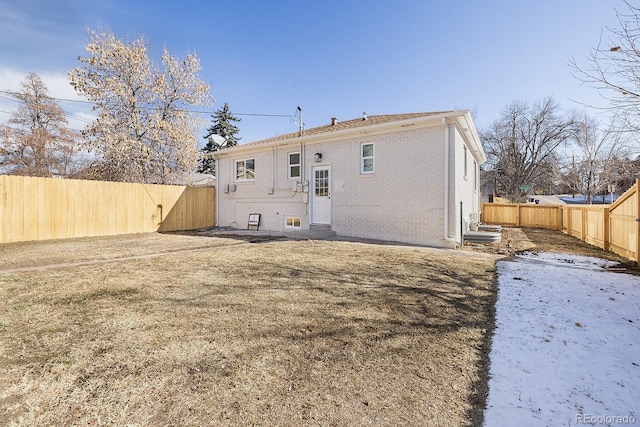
318 157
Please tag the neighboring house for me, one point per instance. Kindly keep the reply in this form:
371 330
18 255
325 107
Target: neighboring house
194 179
410 178
487 189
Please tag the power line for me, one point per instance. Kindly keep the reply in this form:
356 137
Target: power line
80 101
262 115
27 132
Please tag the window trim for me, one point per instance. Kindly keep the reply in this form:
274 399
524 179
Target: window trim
235 170
363 158
293 219
475 176
466 175
290 165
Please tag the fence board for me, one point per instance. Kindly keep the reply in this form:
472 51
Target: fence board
519 215
624 227
613 227
45 208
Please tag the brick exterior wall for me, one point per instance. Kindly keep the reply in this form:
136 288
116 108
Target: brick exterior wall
402 201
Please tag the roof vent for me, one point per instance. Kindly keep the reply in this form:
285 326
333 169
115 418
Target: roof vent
334 121
364 116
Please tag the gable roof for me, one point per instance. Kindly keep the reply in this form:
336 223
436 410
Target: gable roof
349 124
376 123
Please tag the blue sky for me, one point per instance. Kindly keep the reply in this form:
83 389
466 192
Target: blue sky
332 58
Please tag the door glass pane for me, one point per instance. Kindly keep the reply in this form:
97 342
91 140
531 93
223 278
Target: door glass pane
322 183
250 165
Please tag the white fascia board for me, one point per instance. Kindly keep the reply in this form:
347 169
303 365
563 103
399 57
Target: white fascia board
465 124
377 129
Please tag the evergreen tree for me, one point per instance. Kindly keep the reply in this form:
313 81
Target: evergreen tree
222 125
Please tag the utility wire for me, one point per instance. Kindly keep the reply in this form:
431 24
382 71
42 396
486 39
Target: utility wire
80 101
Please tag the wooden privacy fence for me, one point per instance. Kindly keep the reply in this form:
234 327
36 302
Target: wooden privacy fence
613 227
48 208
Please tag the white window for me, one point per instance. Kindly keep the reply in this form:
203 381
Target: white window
245 170
367 158
294 165
292 222
465 161
475 176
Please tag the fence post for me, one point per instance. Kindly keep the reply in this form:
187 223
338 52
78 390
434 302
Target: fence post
560 219
607 229
638 221
583 230
517 214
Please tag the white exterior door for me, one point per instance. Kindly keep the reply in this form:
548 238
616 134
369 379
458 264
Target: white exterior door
321 195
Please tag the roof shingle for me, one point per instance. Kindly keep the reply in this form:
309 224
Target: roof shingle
349 124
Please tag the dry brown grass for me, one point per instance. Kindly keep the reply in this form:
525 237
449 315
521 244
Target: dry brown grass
277 333
557 241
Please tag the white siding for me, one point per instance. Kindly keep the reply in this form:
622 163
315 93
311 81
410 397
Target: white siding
464 184
403 200
234 207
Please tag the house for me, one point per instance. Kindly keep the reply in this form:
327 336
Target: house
410 178
194 179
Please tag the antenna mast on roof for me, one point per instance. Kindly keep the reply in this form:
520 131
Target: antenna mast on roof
300 123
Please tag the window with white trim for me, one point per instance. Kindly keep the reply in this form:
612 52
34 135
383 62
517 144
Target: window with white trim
465 160
475 176
292 222
294 165
367 158
245 170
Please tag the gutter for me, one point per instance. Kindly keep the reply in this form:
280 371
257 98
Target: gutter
377 129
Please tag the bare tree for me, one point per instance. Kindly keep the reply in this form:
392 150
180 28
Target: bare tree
623 172
595 154
144 131
613 67
521 146
37 141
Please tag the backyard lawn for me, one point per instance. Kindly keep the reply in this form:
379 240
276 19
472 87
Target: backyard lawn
162 330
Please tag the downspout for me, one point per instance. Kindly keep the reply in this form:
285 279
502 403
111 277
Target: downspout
447 143
303 164
303 173
461 226
274 168
217 209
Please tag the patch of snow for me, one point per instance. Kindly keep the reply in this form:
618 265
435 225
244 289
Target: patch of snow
566 348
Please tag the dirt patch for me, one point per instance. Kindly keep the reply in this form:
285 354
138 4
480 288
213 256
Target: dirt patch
556 241
277 333
513 240
516 240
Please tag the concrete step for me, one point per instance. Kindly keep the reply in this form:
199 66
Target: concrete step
319 227
482 237
314 232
